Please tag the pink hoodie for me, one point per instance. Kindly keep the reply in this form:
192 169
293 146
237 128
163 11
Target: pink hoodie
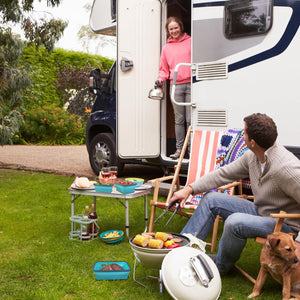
173 53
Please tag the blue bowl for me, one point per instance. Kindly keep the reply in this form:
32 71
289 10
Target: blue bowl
111 274
103 187
112 240
126 188
138 181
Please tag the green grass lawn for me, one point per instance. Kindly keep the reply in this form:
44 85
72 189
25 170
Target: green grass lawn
39 261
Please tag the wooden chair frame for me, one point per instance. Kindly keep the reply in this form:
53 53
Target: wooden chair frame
175 185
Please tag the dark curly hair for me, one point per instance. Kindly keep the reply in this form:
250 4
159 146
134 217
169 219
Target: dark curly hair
173 19
262 129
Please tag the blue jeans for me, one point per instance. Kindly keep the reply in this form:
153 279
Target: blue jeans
241 222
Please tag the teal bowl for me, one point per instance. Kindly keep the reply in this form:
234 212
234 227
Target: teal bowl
103 187
137 181
125 187
112 240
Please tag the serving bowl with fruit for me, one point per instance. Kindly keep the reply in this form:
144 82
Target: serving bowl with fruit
125 187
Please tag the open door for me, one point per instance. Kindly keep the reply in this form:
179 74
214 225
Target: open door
138 117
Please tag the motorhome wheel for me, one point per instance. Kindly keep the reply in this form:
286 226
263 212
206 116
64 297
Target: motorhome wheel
102 152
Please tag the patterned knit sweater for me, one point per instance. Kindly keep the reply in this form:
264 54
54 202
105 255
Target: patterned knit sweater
277 188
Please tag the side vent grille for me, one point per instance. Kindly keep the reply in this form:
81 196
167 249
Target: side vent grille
212 118
211 71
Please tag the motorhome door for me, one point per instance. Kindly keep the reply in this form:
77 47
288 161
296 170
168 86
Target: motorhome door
138 117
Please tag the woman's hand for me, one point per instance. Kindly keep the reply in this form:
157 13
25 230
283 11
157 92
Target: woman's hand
182 195
158 83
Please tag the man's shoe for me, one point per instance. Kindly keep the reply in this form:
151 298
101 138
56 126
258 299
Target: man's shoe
176 155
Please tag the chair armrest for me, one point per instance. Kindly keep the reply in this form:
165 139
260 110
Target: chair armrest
284 215
160 179
229 185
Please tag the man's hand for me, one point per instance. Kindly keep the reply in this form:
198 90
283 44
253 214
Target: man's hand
182 195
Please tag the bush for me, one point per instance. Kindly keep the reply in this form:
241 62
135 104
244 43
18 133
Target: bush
51 125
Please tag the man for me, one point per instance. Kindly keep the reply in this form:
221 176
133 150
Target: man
274 173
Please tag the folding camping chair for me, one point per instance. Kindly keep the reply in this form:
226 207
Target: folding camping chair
209 149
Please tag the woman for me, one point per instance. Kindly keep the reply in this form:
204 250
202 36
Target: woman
177 50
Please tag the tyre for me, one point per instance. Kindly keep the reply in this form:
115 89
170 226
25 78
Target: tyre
102 152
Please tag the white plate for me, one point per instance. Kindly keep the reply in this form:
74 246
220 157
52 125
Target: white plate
73 186
144 187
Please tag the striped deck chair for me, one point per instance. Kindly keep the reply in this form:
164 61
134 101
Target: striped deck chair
209 150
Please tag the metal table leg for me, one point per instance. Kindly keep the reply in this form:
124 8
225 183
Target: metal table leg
127 217
146 212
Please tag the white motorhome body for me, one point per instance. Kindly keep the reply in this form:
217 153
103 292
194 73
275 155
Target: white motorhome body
244 60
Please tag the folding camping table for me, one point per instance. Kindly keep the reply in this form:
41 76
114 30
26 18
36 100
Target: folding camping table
121 198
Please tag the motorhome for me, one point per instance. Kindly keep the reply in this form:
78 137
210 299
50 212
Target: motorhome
245 59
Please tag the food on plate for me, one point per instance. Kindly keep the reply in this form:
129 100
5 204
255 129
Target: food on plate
161 236
174 245
140 240
169 242
177 240
112 267
158 240
82 182
112 234
124 182
156 244
147 236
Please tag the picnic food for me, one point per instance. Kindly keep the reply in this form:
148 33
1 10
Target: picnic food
112 267
112 234
161 236
158 240
140 240
156 244
82 182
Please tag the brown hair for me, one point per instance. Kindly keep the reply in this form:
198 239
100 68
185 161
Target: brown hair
262 129
173 19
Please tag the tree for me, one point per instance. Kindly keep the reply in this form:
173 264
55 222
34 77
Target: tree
13 78
43 33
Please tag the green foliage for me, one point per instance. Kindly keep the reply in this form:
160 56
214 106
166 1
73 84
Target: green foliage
58 76
43 33
51 125
79 60
12 10
43 73
13 81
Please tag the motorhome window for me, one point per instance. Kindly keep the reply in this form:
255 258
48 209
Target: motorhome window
113 10
247 17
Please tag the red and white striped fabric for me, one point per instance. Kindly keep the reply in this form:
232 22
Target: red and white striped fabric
202 160
204 152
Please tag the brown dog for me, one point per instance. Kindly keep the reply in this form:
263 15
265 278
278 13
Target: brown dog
279 259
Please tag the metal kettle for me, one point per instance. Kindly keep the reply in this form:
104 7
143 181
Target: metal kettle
157 92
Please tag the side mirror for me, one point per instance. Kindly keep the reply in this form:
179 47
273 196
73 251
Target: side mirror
95 81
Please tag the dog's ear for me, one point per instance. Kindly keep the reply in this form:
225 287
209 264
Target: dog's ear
274 242
292 235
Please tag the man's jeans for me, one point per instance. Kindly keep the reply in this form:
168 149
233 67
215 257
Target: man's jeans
241 222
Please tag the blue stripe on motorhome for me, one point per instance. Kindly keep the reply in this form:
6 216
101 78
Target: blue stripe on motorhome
282 44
